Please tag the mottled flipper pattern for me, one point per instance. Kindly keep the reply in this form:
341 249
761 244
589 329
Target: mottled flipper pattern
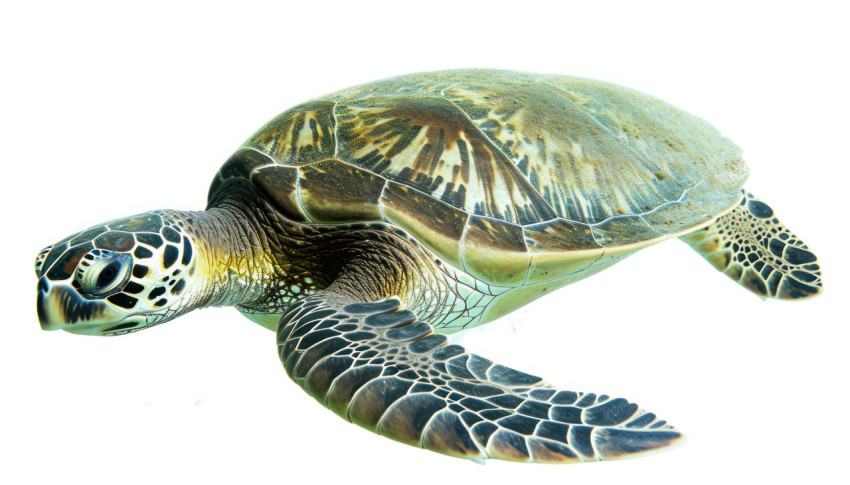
755 249
379 367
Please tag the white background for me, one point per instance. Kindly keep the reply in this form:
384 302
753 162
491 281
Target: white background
109 110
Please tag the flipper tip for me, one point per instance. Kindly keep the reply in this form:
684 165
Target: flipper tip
617 443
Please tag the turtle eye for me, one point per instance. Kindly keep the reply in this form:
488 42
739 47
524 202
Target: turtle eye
103 272
109 274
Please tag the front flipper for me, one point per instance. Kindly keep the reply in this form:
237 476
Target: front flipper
751 246
382 369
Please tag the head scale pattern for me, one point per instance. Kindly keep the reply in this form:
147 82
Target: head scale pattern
118 277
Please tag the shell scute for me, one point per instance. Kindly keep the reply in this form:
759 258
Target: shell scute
495 251
435 223
280 184
623 230
240 165
559 248
559 235
301 135
697 205
334 191
590 160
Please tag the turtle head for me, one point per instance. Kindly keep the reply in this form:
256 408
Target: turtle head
118 277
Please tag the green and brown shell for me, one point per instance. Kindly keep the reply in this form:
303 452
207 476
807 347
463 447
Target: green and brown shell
509 176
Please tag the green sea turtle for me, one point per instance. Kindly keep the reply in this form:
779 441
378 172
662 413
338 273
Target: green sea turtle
365 225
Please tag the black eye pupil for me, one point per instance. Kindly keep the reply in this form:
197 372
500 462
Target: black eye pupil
108 274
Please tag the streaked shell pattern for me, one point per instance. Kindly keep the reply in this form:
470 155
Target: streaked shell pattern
517 179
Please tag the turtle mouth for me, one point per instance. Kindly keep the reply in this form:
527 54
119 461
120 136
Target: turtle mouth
60 307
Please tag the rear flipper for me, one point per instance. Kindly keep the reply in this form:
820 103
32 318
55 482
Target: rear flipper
382 369
755 249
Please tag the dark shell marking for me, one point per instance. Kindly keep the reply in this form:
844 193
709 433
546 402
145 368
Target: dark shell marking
383 370
430 144
755 249
299 136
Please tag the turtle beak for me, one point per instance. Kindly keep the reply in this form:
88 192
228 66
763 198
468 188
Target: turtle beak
44 319
60 307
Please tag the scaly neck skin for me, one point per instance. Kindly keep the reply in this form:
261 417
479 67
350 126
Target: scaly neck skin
234 267
244 259
254 258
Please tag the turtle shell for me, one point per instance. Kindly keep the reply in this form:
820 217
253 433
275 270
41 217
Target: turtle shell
516 178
